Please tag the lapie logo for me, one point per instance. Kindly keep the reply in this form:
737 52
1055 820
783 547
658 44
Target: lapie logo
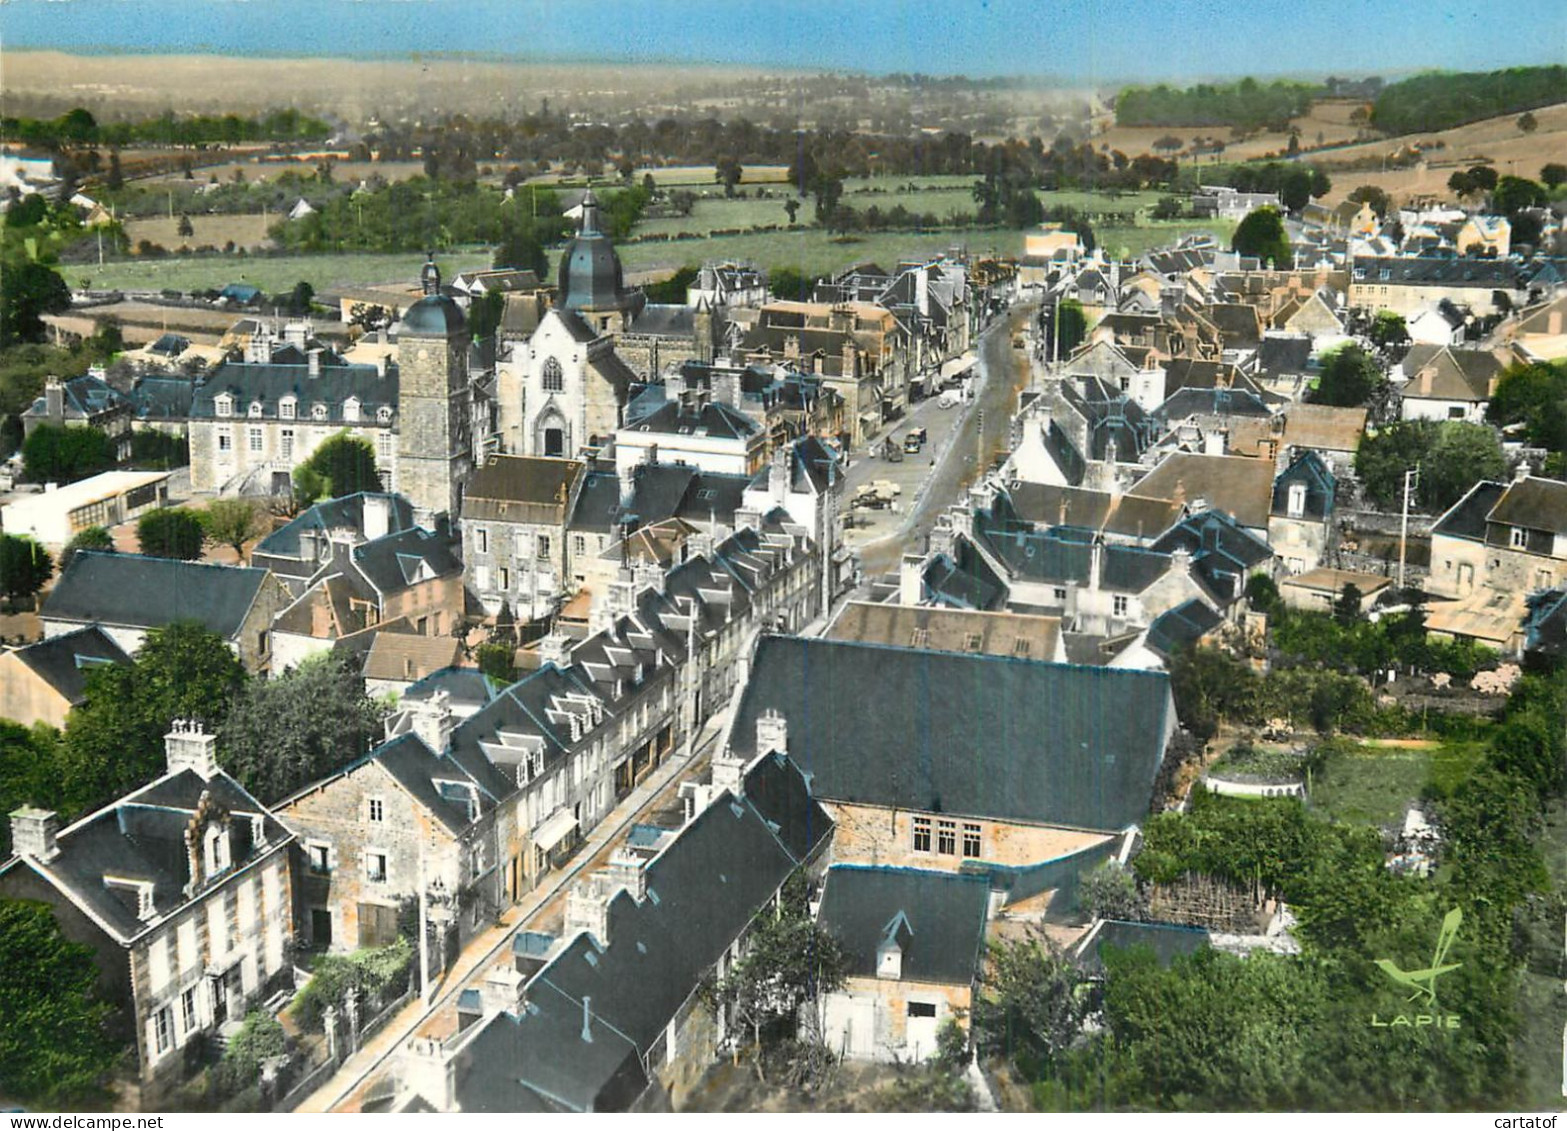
1423 982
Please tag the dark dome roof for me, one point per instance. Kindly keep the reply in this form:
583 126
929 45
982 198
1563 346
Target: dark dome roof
433 315
590 270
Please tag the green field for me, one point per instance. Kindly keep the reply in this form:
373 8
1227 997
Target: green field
272 274
1374 785
813 251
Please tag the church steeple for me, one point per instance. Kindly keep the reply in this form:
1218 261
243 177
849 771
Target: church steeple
590 214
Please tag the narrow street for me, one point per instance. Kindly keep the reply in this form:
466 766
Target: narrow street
542 909
954 457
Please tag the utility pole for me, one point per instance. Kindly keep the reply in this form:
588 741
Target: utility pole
1411 477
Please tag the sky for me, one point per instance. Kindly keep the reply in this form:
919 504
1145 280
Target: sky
1077 42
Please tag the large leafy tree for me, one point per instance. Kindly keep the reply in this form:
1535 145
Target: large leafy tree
114 741
521 249
281 734
1535 396
28 291
1350 378
55 453
171 532
1451 456
24 566
232 523
1029 1008
1261 234
89 538
54 1043
790 960
28 773
343 465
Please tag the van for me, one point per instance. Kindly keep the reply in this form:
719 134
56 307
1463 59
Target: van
949 399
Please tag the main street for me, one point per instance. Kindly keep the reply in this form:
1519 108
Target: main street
953 458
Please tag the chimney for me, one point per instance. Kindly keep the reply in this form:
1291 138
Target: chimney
772 733
778 475
314 362
628 485
1096 564
1523 472
726 386
911 583
587 908
555 649
427 1072
729 769
187 746
1215 441
1181 560
54 399
33 833
432 720
502 990
625 870
378 516
587 1019
380 365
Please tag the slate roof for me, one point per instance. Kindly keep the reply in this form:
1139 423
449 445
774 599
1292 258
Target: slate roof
519 488
167 399
1466 518
1539 504
84 397
399 560
1181 627
1223 554
1064 554
345 512
703 890
1212 402
468 688
408 656
133 591
711 419
1168 941
664 320
1450 374
971 735
963 580
937 918
1321 488
141 838
269 383
1280 354
1127 515
64 661
1439 272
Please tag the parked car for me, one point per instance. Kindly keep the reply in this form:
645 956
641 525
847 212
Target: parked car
949 399
915 440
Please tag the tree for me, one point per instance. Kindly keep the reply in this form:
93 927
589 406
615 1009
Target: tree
114 180
521 250
789 960
792 207
1111 892
1483 177
1388 329
1028 1008
1378 198
497 660
281 734
55 453
673 289
232 522
171 532
260 1038
791 284
1527 123
1387 453
28 291
24 566
1346 609
1460 183
1261 234
184 227
90 538
1536 396
300 298
1463 454
1072 330
1553 174
114 741
1349 379
1514 194
343 465
485 313
54 1042
728 172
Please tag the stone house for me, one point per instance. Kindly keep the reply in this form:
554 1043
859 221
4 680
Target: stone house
87 401
41 682
1300 521
1443 383
514 533
126 595
182 890
914 941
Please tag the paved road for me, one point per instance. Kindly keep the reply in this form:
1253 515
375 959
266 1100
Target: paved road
960 455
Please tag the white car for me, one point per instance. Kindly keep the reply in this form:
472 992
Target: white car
949 399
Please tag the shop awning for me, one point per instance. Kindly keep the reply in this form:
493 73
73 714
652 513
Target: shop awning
554 830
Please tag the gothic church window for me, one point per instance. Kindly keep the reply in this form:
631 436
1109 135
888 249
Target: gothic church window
554 376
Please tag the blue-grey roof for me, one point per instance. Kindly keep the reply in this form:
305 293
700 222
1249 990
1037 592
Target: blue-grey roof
85 396
64 661
650 414
155 398
1167 941
936 918
1310 470
1182 626
399 560
1467 517
134 591
436 316
344 512
967 734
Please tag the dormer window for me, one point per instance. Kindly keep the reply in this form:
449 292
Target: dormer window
351 410
223 405
287 407
384 414
215 849
255 410
318 411
1297 500
140 889
1520 538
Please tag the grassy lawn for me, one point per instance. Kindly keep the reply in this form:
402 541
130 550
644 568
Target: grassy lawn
1370 785
271 274
1131 242
813 250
